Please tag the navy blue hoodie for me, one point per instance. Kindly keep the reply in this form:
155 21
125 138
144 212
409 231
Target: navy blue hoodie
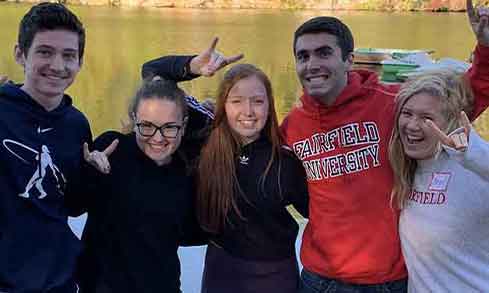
40 157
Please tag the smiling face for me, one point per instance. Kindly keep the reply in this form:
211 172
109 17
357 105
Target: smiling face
320 66
247 107
159 112
50 66
417 142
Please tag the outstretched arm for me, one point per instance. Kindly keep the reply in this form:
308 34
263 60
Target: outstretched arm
478 74
181 68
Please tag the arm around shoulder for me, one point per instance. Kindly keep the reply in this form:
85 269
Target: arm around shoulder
294 183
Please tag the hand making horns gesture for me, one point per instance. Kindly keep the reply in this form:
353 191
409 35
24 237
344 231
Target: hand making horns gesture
479 21
210 61
100 160
458 139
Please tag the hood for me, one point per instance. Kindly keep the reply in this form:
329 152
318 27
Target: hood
13 94
359 83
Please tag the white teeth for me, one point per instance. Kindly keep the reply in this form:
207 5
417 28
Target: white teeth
53 77
414 139
247 123
158 147
317 79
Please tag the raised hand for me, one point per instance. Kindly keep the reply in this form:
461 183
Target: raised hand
3 79
458 139
210 61
479 21
100 160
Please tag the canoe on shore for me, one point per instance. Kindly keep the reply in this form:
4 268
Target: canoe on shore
396 65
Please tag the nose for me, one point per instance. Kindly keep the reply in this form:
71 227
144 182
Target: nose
57 63
312 63
158 136
248 108
414 123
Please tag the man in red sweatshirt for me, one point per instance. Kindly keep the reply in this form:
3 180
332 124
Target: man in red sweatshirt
340 131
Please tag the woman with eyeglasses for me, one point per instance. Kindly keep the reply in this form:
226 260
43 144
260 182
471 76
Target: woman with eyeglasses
141 209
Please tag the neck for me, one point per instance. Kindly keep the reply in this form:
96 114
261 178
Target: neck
48 103
166 161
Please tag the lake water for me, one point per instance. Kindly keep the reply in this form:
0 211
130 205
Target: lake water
120 40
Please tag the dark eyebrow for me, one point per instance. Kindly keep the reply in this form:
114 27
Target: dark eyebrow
173 123
327 48
44 47
47 47
303 51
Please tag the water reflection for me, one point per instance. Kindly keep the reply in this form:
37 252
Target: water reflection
120 40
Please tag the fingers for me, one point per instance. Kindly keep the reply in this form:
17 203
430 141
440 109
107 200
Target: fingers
111 148
219 61
465 122
215 63
460 141
86 152
208 52
483 20
470 11
210 60
234 58
437 132
3 79
213 45
99 160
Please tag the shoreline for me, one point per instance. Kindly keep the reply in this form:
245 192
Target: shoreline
449 6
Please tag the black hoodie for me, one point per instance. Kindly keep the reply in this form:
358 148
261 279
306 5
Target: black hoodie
40 154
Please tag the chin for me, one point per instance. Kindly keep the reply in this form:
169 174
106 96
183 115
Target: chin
317 94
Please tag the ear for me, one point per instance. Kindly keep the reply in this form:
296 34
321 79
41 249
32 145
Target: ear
184 125
349 61
81 62
19 55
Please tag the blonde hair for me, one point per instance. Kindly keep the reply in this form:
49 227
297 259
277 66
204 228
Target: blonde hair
455 95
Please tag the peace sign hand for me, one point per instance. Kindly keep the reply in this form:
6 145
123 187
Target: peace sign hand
210 61
479 21
458 139
100 160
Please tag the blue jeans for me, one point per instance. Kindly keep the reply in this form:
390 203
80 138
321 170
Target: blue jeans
313 283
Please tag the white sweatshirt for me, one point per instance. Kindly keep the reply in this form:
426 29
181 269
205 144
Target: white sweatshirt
444 228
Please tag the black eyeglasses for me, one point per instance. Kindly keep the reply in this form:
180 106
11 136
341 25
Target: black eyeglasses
148 129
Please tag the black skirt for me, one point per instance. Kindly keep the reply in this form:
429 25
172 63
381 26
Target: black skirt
224 273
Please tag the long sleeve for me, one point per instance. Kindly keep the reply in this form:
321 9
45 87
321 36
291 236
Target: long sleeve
476 157
75 197
478 76
173 68
296 183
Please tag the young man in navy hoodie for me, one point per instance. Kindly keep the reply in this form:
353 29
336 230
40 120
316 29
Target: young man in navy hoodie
41 138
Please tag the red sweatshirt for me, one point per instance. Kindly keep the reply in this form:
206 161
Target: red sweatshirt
352 233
